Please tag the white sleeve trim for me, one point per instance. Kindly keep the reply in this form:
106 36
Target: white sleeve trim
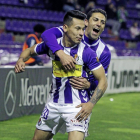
35 48
60 29
97 67
32 42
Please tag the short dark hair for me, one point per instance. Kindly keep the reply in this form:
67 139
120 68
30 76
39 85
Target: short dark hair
98 10
73 14
39 28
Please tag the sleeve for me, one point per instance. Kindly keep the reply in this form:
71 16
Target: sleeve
105 59
50 38
90 59
93 85
41 48
31 41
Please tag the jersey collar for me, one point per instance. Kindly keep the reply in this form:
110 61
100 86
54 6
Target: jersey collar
89 41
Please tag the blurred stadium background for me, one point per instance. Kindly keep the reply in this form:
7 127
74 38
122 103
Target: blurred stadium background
17 18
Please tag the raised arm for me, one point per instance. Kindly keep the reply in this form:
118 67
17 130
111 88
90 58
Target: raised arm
50 38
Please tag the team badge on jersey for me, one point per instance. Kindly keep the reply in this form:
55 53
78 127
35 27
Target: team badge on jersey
97 59
76 57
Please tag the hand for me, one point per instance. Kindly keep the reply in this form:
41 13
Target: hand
85 111
67 61
79 83
20 66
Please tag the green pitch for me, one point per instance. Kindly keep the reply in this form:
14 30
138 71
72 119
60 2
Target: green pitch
111 120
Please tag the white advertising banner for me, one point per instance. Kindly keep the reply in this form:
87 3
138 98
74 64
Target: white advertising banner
124 75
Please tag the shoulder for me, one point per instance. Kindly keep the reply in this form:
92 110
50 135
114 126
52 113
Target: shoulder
83 46
103 48
60 28
86 50
59 39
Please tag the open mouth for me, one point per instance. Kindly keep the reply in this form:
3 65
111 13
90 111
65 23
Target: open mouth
96 30
79 38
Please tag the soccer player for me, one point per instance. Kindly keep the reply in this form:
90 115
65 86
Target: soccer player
63 105
95 22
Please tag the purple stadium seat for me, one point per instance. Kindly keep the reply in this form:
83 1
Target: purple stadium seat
15 12
46 15
9 2
9 37
20 26
100 6
55 16
6 37
2 1
9 12
132 13
32 14
14 26
60 16
3 10
125 34
8 25
102 2
22 13
50 15
105 33
131 4
39 14
130 23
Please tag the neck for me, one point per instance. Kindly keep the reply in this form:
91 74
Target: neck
67 42
89 37
90 41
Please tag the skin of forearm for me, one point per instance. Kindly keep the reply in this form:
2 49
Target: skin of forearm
26 54
99 91
59 53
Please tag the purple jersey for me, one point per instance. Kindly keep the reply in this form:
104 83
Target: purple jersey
62 92
101 49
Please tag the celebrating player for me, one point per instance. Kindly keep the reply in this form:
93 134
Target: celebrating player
95 24
64 106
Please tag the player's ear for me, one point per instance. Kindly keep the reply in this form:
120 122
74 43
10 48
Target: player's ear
65 27
86 22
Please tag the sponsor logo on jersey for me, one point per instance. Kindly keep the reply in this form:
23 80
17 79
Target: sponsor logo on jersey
58 71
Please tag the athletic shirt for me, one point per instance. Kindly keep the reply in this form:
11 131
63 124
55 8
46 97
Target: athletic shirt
101 49
61 90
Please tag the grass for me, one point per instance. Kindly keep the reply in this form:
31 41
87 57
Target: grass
111 120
